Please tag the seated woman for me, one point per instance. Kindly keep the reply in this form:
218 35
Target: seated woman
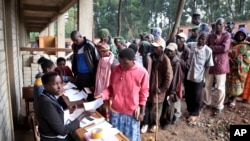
50 114
63 70
47 66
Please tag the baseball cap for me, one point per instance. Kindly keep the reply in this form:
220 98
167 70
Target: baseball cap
159 43
182 35
172 46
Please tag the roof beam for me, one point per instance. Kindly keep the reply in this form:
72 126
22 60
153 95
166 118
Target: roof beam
63 8
40 8
34 23
45 19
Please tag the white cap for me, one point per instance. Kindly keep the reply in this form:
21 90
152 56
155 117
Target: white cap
182 35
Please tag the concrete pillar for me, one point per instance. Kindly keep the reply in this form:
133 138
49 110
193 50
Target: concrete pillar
44 32
51 30
61 34
85 18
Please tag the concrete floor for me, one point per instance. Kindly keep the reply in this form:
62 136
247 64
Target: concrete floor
22 134
22 129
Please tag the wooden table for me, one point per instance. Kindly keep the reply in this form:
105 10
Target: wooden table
81 131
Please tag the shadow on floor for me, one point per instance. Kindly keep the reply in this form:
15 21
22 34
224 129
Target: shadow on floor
23 131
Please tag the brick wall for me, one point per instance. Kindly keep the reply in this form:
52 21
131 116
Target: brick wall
12 50
6 125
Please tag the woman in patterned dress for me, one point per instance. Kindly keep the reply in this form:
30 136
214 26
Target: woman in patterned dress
239 65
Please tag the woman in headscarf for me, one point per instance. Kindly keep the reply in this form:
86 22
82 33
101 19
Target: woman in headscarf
106 62
239 65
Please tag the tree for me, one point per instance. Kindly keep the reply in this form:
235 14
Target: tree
119 18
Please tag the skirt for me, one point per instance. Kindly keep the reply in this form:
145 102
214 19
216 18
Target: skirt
127 124
246 93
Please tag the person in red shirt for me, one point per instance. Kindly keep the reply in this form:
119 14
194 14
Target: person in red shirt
63 70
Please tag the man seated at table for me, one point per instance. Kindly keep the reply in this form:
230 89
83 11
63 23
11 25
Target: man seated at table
50 114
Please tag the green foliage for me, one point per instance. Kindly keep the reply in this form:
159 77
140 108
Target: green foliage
70 23
33 36
140 15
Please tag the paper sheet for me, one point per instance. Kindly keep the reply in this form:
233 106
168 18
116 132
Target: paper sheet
87 90
69 85
93 105
70 117
75 95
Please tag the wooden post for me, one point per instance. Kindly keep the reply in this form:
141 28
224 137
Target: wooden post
119 22
157 101
177 20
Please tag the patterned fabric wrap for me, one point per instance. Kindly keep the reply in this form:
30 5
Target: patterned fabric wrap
246 93
127 124
239 65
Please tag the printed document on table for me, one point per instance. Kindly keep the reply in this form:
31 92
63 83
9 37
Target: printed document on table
70 117
93 105
69 85
75 95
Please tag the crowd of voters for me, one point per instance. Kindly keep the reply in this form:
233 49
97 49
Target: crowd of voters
143 82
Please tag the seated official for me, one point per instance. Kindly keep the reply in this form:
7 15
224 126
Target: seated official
63 70
50 114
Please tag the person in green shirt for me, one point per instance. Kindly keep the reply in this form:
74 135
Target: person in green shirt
105 36
194 34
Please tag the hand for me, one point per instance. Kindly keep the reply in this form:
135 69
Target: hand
61 93
72 108
137 113
141 117
85 114
98 96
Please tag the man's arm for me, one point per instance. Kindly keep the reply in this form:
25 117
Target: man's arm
224 46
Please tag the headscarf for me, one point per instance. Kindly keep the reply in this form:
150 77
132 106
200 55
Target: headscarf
242 30
157 32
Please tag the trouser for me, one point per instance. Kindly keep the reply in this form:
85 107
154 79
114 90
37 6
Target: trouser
85 80
147 113
167 112
152 111
177 108
219 88
194 97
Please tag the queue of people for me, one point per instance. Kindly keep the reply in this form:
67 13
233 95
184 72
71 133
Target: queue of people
144 83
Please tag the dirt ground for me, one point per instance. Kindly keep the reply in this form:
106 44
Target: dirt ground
207 128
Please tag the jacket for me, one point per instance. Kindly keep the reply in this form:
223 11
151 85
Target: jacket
90 54
176 84
185 61
51 118
220 48
162 65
